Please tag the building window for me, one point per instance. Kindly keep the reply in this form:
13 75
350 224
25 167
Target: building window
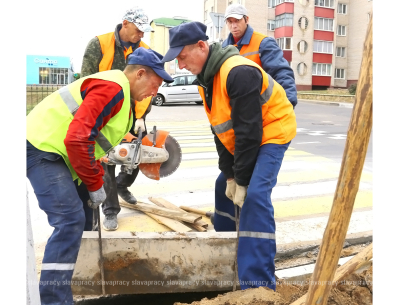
283 20
230 2
285 43
342 8
302 69
339 73
321 46
341 30
340 51
323 24
321 69
53 76
302 47
303 23
324 3
271 3
212 9
205 15
281 1
271 25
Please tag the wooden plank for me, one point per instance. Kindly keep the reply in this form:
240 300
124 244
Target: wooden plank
196 211
145 207
353 159
173 224
199 225
347 268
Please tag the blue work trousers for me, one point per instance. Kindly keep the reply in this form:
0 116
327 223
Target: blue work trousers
58 197
257 245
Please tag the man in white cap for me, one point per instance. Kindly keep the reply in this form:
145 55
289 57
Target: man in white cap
259 48
109 52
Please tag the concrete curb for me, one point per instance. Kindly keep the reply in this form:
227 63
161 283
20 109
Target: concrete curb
328 103
301 248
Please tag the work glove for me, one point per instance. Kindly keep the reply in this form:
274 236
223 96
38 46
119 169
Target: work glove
97 198
240 195
139 123
230 189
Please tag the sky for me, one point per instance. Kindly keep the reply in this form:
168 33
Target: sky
64 28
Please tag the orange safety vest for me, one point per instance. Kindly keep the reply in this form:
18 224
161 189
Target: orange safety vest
279 120
107 44
251 50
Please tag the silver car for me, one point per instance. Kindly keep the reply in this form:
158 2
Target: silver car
180 91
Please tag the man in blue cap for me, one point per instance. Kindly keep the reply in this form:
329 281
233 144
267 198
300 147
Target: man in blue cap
253 123
67 133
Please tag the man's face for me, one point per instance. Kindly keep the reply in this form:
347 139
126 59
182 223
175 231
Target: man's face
192 58
236 27
146 85
133 33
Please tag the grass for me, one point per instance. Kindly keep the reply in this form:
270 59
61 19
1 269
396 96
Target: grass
328 91
35 94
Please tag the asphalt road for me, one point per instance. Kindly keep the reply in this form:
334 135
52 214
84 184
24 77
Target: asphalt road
321 129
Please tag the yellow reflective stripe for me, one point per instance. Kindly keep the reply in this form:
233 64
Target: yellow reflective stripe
73 107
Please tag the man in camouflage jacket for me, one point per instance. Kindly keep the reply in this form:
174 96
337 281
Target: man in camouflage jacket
109 52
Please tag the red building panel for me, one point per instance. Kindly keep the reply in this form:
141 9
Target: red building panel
321 80
285 31
323 35
287 55
285 7
324 12
322 58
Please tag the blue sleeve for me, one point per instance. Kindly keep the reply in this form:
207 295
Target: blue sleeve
275 65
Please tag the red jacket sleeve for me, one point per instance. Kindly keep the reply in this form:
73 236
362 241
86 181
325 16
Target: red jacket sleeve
102 100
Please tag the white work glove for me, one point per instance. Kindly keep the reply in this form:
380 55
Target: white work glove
230 189
240 195
97 198
139 123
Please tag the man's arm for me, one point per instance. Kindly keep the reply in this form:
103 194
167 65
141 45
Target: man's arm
91 58
225 160
275 65
102 100
244 85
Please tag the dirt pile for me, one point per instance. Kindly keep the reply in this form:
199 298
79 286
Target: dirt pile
355 289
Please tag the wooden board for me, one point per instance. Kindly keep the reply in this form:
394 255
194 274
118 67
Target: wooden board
177 215
199 225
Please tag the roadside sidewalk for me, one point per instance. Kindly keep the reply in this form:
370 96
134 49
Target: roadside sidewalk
329 103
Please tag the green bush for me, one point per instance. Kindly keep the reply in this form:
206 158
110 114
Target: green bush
353 88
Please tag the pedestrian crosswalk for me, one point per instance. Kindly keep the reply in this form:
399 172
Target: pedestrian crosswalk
305 188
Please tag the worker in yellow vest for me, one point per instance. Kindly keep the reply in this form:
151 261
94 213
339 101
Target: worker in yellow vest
109 52
260 48
67 133
253 123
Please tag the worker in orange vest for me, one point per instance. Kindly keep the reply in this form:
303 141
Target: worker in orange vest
109 52
261 49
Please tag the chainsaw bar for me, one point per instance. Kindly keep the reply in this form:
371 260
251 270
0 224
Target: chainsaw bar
175 157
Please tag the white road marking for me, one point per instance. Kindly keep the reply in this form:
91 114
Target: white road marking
307 142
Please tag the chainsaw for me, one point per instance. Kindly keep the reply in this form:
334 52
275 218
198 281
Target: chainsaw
157 155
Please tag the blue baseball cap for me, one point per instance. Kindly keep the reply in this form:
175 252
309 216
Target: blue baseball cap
183 35
152 59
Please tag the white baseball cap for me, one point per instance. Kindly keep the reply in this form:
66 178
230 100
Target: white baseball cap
138 17
236 11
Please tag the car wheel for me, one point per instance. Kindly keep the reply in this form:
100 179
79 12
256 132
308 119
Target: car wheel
159 100
199 103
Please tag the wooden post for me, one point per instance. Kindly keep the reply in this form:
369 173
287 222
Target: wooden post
352 265
349 179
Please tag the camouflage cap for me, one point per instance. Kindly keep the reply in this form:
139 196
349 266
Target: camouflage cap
137 16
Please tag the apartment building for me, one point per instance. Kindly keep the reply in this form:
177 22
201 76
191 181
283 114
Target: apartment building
321 39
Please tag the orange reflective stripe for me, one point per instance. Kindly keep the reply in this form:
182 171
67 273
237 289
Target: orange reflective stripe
251 50
141 107
107 44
